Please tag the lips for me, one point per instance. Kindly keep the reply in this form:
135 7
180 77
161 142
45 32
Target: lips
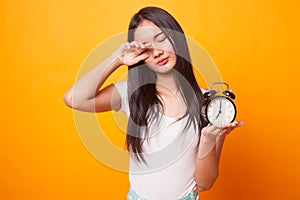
163 61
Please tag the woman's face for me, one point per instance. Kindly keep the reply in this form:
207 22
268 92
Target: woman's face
161 55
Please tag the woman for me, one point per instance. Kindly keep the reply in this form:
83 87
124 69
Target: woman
172 151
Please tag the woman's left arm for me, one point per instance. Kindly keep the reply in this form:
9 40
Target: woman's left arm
209 152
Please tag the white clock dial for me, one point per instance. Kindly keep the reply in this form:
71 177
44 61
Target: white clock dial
220 111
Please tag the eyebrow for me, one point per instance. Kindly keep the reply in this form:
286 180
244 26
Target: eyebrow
155 36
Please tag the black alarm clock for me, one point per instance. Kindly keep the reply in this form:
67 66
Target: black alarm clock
220 109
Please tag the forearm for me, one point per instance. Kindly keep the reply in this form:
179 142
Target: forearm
206 171
88 85
207 162
209 153
219 145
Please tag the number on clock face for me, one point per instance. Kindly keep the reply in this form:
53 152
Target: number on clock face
220 111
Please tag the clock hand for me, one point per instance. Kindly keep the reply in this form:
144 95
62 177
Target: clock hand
220 111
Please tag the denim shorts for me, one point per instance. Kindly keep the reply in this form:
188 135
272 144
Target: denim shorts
133 196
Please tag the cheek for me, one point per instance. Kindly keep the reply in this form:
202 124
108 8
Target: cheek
150 63
148 60
167 46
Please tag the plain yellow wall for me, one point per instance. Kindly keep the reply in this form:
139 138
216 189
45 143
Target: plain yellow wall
43 44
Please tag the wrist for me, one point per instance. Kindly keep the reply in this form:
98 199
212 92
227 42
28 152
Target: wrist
117 62
208 137
206 145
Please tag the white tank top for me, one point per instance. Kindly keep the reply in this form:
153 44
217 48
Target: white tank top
170 155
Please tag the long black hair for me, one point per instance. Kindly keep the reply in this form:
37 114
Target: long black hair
142 92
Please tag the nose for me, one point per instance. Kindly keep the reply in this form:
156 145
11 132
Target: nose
157 52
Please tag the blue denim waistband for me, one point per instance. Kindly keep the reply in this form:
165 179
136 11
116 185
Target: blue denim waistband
132 195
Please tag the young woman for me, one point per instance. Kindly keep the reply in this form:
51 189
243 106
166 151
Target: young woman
173 152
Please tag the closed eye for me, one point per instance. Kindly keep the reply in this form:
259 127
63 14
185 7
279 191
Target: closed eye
161 38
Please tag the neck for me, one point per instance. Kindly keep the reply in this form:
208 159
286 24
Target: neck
166 83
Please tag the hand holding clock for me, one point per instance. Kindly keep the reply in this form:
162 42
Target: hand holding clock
211 134
213 131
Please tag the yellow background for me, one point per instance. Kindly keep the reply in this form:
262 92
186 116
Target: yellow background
43 43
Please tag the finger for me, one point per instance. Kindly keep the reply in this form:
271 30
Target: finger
138 52
124 46
227 128
127 45
230 127
240 123
141 57
135 44
147 45
142 45
235 124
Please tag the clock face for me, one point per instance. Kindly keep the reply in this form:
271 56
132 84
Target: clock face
220 111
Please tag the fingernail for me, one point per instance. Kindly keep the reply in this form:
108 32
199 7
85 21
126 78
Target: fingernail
241 123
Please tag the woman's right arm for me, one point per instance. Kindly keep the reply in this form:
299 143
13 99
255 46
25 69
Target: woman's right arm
85 95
